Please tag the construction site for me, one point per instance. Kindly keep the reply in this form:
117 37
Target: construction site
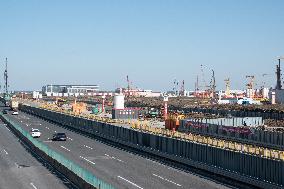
248 122
168 110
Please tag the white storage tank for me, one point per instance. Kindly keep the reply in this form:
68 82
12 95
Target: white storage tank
118 101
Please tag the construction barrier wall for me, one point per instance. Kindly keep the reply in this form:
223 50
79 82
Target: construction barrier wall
265 114
253 170
269 139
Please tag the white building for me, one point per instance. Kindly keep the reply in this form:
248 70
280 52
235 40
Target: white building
69 90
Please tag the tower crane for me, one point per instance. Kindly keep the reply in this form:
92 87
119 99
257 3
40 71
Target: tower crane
250 85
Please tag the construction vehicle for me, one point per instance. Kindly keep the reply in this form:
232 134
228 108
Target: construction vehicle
173 120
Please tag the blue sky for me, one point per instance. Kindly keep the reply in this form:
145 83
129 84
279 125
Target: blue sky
154 42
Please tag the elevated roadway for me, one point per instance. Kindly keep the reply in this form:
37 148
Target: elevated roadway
122 169
20 169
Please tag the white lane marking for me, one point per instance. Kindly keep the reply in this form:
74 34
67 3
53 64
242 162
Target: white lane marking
40 124
7 128
88 160
47 128
65 148
33 185
114 158
130 182
167 180
55 131
21 121
88 147
70 138
47 141
27 125
5 151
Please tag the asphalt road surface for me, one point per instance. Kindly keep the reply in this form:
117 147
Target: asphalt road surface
20 169
120 168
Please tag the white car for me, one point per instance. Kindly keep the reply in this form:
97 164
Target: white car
35 133
15 113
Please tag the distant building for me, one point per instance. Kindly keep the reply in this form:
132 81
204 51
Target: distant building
138 92
69 90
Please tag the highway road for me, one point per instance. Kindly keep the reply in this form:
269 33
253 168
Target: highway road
20 169
122 169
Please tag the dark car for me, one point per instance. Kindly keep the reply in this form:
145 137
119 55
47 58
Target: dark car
4 111
59 137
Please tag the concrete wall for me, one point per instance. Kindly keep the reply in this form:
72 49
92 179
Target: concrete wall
257 171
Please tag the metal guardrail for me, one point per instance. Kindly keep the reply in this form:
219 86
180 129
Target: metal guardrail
75 168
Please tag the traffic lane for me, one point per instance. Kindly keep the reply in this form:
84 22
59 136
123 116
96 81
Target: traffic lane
135 166
22 170
103 170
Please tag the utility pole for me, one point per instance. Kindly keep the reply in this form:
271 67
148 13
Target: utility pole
6 78
213 85
278 76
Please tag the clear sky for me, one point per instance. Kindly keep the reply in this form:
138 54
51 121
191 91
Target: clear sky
152 41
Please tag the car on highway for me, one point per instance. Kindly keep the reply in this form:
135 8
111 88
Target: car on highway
4 111
35 133
15 113
59 137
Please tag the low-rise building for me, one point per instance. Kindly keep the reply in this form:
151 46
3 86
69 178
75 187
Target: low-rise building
69 90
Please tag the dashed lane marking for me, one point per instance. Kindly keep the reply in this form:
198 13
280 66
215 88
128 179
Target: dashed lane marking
130 182
114 158
88 147
65 148
5 151
167 180
32 184
88 160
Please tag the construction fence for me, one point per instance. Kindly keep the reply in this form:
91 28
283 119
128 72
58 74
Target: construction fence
250 135
265 114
